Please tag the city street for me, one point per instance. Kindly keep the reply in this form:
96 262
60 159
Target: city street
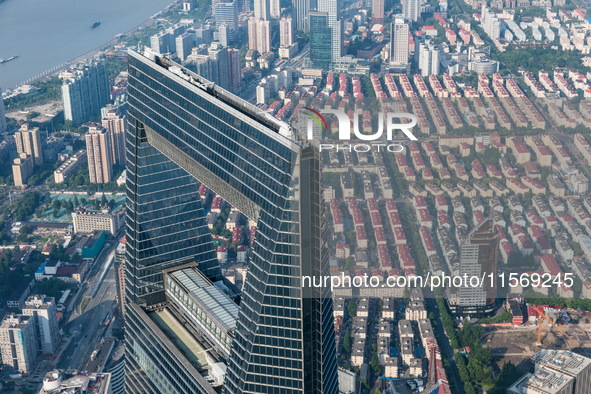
87 329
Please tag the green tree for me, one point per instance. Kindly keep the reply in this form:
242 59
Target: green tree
52 287
470 335
352 308
347 346
375 363
491 156
27 229
349 262
22 238
509 374
24 207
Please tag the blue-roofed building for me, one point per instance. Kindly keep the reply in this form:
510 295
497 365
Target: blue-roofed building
39 274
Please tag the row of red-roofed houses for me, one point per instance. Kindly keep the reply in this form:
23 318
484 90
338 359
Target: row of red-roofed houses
337 216
436 368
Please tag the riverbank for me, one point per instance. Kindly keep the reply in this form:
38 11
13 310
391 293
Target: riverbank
47 45
121 36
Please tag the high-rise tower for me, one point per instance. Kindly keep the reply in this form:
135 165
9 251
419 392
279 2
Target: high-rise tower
100 159
377 11
44 312
286 31
283 337
332 9
320 41
85 91
17 342
182 128
259 35
301 9
479 254
399 43
261 9
411 9
28 140
114 123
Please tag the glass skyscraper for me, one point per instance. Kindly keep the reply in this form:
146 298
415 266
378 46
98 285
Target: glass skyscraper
183 129
320 41
479 255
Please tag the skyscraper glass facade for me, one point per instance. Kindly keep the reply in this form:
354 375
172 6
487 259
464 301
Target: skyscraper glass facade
320 41
181 128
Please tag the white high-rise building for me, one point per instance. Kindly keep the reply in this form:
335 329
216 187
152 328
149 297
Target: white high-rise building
227 12
377 11
184 44
399 46
286 31
275 9
2 114
567 363
98 150
261 9
428 58
85 91
301 10
114 123
17 342
490 22
411 9
28 140
264 36
44 312
259 35
332 8
22 169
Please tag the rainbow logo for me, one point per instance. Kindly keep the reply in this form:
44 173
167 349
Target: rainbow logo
318 118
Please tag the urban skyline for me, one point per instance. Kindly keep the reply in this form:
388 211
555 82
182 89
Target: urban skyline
225 198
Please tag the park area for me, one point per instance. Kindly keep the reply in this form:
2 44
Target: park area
59 207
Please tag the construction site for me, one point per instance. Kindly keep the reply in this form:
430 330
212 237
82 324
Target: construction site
545 328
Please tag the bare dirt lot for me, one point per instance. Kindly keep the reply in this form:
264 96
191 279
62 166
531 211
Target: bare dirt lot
46 112
518 344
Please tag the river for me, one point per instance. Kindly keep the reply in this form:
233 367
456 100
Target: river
47 33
